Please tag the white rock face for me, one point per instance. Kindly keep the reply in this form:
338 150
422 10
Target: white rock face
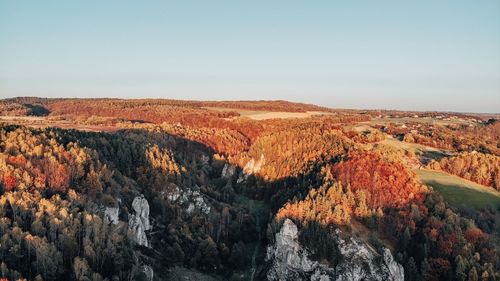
241 178
253 167
192 199
287 255
228 171
148 271
199 203
111 215
361 262
395 268
139 222
290 261
205 159
175 194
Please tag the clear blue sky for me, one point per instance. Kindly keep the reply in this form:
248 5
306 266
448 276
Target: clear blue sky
423 55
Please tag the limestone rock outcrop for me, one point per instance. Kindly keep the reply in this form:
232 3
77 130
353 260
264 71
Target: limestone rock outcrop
362 262
191 199
253 166
358 261
228 171
148 272
111 215
139 221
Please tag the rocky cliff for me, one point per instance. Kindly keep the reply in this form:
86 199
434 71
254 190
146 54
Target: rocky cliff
111 215
191 199
253 166
358 261
148 272
228 171
139 221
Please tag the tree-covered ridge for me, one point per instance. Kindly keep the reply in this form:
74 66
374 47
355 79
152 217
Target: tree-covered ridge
30 160
49 224
475 166
59 211
216 186
386 183
440 242
293 152
359 187
330 204
22 106
431 240
484 137
224 141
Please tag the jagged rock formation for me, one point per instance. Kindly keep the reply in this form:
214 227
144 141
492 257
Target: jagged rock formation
362 262
228 171
205 159
198 203
241 178
192 199
148 272
253 167
139 222
290 261
111 215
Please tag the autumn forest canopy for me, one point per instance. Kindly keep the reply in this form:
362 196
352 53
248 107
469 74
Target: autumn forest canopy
156 189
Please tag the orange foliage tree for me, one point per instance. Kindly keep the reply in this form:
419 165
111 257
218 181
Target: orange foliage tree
386 183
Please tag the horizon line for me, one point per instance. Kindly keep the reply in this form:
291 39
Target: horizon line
256 100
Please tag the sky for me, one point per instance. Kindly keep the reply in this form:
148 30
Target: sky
409 55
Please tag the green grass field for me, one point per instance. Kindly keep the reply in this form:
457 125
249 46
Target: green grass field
460 192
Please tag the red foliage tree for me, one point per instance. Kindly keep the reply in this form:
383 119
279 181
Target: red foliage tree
59 178
440 268
9 182
445 247
473 235
18 160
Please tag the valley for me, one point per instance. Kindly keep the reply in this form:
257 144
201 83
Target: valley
112 189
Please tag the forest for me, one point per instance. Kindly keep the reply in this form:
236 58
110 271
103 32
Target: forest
177 185
475 166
